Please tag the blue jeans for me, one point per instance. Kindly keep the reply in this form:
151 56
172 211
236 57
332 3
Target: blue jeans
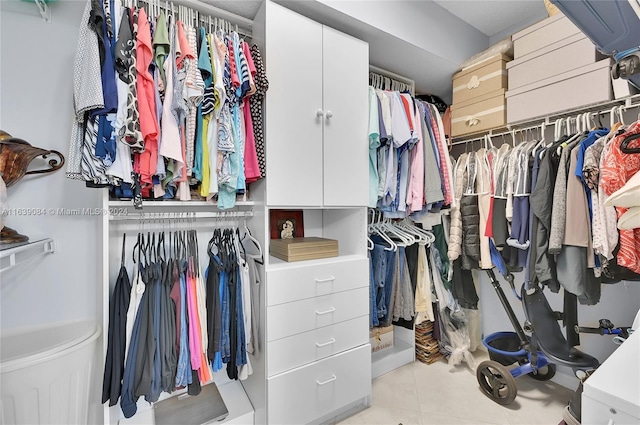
373 288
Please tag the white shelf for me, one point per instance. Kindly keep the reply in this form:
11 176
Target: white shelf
392 358
13 256
278 264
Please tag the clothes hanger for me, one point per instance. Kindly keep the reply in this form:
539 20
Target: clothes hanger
247 233
376 229
624 145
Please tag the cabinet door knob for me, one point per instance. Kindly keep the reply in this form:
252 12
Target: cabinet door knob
324 344
331 310
329 114
333 378
319 113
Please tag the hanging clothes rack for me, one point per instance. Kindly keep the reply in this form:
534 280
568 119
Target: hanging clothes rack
386 80
596 113
202 14
182 215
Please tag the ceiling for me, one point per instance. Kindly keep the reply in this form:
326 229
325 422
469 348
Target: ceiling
493 17
424 40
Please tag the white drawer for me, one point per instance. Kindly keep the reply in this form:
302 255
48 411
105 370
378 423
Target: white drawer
297 283
310 392
288 353
595 412
301 316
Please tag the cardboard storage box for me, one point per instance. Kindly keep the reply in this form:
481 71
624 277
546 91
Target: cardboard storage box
298 249
574 52
483 78
548 31
478 114
577 88
381 338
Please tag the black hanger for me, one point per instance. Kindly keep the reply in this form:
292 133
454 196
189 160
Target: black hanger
244 251
624 146
124 239
138 248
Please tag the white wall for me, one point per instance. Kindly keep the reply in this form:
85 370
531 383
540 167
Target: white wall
36 66
36 105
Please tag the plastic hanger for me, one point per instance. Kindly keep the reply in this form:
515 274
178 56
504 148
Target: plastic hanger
375 229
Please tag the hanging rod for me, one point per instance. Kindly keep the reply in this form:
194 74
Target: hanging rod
204 10
181 215
626 103
208 9
503 133
397 77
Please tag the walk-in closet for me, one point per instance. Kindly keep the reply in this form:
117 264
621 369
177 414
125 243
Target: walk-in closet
319 212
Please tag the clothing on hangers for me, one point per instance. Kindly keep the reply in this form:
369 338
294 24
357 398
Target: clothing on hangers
155 107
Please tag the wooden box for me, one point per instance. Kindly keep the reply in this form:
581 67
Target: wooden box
574 52
299 249
381 338
483 78
546 32
574 89
478 114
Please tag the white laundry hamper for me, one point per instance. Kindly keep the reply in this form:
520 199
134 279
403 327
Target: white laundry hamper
45 373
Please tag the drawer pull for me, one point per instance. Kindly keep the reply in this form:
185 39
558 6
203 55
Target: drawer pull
331 310
326 279
333 378
324 344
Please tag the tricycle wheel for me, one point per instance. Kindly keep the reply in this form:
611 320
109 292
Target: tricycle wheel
496 382
544 373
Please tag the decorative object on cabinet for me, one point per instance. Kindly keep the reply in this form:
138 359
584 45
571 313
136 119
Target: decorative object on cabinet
299 249
15 157
381 338
286 224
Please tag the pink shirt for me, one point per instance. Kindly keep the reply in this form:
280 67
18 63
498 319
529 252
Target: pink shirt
251 166
148 160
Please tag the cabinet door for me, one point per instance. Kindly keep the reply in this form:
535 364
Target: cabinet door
293 59
345 99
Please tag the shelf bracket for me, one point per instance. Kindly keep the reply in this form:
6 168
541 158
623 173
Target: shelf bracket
44 10
13 256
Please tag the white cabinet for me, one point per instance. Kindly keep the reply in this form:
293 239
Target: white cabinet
305 394
611 395
314 358
316 113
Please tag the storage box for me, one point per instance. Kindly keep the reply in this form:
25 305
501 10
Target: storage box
299 249
478 114
571 53
548 31
381 338
483 78
577 88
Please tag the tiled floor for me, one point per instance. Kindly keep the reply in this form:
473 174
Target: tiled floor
439 394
